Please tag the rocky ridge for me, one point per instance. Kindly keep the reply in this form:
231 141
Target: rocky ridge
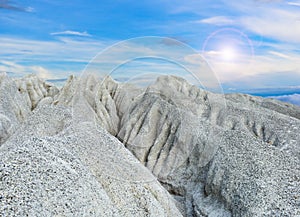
110 149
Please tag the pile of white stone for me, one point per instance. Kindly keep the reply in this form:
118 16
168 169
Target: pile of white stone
102 148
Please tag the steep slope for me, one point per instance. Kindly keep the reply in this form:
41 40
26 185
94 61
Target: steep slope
217 155
13 107
18 98
179 132
53 166
268 103
35 91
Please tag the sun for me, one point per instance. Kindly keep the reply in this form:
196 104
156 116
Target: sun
228 54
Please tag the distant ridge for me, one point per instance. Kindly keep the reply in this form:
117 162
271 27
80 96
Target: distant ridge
58 82
267 92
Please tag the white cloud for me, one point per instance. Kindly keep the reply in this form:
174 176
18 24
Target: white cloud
42 72
6 4
294 98
36 55
278 24
230 71
21 70
29 9
218 20
65 49
275 19
72 33
281 55
294 4
61 57
268 1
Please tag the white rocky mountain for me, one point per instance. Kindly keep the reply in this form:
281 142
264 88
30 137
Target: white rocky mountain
102 148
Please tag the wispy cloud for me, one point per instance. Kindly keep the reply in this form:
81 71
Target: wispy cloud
21 70
64 49
6 4
294 98
268 1
71 56
218 20
281 55
260 66
72 33
29 9
270 19
60 58
294 4
278 24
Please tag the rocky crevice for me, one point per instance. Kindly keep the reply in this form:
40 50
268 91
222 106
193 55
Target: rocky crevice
146 131
210 157
150 127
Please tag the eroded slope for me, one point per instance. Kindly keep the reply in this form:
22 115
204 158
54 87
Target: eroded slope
232 155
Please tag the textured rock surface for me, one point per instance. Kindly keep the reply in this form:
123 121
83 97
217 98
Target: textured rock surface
55 165
216 155
13 107
33 90
18 98
179 132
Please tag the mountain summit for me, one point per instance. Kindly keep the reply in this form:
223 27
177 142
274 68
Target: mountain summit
102 148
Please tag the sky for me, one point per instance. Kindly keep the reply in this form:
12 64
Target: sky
246 44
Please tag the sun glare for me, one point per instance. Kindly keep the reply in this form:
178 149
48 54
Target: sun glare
228 54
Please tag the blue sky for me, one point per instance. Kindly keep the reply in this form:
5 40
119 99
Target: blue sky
248 44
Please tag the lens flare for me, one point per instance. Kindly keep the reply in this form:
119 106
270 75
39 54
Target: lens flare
228 54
